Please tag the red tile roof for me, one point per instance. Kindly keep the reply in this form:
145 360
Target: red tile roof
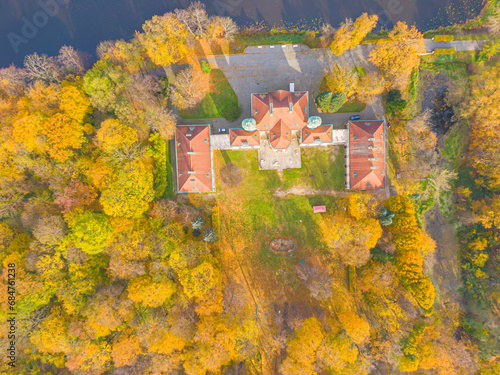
239 136
194 161
280 136
268 109
317 209
322 133
367 154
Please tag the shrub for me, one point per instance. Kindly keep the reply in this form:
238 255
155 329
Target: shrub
444 51
327 102
395 105
198 223
443 38
205 67
231 113
337 102
323 100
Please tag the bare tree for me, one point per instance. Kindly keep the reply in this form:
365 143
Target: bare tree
493 23
195 18
13 80
42 67
327 30
189 88
317 280
441 181
74 61
49 229
104 47
229 26
144 90
161 120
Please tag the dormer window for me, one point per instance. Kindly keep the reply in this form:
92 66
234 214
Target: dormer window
373 167
291 107
205 140
372 139
354 174
256 111
208 175
372 159
354 136
370 147
191 128
188 135
271 108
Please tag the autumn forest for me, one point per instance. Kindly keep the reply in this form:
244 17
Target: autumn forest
106 269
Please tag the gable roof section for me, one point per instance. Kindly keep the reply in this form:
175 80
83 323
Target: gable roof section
280 136
321 134
292 108
238 137
194 159
367 155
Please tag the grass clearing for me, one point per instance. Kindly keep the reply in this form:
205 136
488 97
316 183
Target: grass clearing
221 101
315 162
251 216
352 106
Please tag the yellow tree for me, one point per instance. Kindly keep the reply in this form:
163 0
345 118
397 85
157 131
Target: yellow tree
397 58
342 39
73 101
485 134
150 291
164 39
125 351
112 134
355 327
63 134
369 86
362 26
302 349
336 352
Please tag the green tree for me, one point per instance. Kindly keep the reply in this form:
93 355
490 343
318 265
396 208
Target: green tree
91 232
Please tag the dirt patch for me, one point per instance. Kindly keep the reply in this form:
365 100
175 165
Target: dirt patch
230 174
304 190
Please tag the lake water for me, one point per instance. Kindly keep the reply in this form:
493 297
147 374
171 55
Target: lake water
43 26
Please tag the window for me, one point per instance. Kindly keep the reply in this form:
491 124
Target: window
287 134
354 174
354 136
190 152
193 181
372 139
370 147
178 143
372 167
367 123
191 128
295 124
188 135
191 172
180 173
271 107
382 173
291 107
205 140
303 109
208 175
372 159
306 134
368 185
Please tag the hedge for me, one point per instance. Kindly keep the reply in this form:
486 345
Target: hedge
444 51
444 38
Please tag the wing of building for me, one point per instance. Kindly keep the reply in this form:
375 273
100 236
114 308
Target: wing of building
194 159
366 168
280 112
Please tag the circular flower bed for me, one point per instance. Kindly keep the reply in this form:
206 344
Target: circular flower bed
282 245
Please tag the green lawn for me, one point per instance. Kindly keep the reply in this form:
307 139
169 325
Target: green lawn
221 101
316 161
252 216
351 106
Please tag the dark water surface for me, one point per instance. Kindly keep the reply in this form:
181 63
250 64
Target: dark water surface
43 26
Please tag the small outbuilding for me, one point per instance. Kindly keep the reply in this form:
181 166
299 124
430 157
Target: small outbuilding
317 209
